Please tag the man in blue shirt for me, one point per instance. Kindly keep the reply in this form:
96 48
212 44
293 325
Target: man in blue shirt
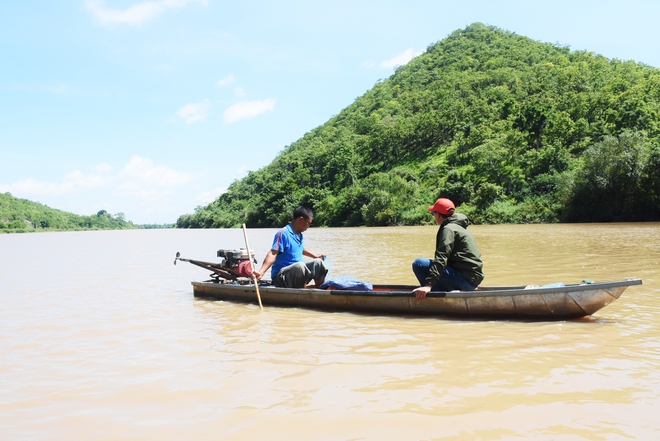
289 269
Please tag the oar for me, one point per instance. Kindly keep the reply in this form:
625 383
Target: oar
254 279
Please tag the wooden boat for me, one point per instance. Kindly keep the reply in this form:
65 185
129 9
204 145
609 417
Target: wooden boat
504 302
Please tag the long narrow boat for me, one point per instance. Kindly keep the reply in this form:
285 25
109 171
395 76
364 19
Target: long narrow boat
504 302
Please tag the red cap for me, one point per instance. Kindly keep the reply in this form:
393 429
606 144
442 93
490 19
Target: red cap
443 206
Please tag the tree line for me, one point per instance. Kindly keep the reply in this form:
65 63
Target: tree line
21 215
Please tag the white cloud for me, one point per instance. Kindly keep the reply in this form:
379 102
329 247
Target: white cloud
207 197
102 168
148 192
193 112
143 172
72 183
400 59
31 186
226 80
247 109
140 178
135 14
82 181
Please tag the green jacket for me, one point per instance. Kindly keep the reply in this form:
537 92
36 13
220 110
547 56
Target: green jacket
455 247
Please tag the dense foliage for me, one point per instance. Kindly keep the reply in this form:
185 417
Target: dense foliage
154 226
511 129
20 215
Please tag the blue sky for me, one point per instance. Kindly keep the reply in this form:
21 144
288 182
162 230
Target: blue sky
152 108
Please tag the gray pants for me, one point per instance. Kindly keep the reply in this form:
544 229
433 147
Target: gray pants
299 274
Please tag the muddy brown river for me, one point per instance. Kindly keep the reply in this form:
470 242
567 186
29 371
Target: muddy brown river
101 338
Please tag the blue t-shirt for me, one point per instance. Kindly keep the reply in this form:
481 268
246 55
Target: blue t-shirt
290 248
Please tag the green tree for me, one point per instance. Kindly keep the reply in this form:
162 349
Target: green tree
607 187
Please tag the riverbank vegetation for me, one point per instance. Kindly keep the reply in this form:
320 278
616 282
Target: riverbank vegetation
513 130
21 216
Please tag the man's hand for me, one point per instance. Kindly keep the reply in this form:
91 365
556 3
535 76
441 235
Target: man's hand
421 292
268 262
308 253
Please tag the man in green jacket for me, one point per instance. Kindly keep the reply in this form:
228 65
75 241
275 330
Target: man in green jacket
457 263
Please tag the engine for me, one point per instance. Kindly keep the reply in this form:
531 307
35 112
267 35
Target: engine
238 261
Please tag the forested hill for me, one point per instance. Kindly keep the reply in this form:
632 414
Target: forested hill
511 129
22 215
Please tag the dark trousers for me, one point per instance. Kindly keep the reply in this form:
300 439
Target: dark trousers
449 281
299 274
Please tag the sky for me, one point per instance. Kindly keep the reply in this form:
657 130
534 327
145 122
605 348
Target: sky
153 108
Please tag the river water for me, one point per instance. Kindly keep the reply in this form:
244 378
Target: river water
101 338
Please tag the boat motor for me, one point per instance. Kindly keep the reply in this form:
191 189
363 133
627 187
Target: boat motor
235 265
238 261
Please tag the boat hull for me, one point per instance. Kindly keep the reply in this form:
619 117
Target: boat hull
550 303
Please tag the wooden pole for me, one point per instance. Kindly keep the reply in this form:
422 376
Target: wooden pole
254 279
